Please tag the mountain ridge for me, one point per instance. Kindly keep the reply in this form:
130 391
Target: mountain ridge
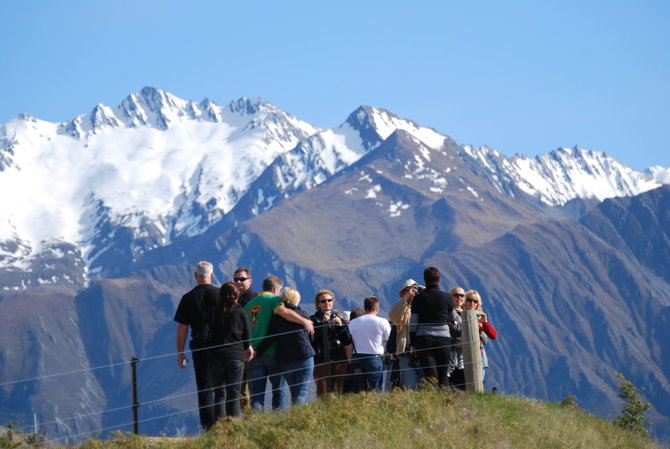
284 156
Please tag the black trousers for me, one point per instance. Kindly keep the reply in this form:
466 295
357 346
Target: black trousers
433 355
226 376
205 392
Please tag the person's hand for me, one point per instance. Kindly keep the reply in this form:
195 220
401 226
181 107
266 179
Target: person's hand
337 320
249 353
482 317
182 360
309 326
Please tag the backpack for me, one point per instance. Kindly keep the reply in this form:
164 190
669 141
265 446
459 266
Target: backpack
210 312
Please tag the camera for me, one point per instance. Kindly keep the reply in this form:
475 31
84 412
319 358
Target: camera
420 288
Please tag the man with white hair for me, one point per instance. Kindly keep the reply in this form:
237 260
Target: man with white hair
193 311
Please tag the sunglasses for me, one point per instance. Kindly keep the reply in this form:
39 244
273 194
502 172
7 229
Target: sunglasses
323 301
459 295
473 300
240 279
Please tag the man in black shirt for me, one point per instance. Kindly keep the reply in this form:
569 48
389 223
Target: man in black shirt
242 278
193 310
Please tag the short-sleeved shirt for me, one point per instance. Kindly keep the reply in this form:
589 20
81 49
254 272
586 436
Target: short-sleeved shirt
193 308
260 311
370 334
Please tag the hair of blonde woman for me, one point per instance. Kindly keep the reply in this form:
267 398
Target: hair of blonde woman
290 296
474 294
323 291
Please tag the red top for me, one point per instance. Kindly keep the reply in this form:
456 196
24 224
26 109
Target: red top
488 330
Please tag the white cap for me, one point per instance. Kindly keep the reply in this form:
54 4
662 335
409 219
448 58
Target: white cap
409 283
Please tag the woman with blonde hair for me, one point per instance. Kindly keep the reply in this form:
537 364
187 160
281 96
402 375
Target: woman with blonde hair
473 301
332 343
295 355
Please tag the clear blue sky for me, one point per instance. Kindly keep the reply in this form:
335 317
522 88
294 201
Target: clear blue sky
519 76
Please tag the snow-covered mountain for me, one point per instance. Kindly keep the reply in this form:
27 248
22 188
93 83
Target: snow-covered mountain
322 155
562 175
110 185
156 166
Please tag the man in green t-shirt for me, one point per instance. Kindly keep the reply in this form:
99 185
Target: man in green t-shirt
264 367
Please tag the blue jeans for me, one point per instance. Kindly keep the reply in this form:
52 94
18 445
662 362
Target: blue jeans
371 375
298 375
409 375
261 369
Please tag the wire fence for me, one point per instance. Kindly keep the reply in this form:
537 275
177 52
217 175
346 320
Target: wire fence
387 371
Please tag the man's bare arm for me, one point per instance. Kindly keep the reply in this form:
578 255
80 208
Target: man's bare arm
294 317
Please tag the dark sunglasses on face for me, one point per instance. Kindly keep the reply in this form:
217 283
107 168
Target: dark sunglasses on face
459 295
473 300
240 279
323 301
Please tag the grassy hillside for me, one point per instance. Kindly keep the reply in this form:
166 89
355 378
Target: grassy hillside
424 419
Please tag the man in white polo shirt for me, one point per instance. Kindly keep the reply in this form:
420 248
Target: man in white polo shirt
369 333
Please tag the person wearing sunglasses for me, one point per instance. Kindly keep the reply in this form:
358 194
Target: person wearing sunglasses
456 370
242 279
473 301
332 344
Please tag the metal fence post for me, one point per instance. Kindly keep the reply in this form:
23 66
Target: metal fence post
136 405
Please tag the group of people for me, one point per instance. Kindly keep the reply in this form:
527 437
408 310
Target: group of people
243 339
428 323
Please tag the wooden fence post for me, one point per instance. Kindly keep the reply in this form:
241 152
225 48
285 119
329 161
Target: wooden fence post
472 358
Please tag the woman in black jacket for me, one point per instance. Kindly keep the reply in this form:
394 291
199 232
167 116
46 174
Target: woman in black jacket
230 348
332 343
